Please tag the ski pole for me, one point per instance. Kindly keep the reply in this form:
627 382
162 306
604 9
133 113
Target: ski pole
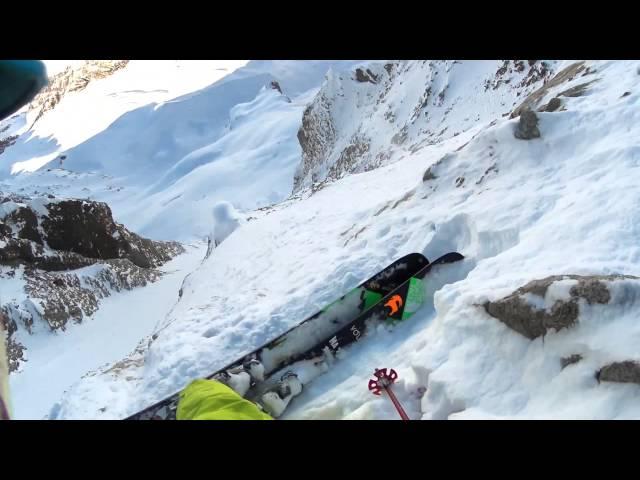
383 381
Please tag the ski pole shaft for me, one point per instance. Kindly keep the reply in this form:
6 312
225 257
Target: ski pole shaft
396 403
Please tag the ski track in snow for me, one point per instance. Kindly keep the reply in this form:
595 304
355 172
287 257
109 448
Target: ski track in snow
564 203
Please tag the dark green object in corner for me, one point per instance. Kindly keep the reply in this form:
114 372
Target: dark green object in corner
20 82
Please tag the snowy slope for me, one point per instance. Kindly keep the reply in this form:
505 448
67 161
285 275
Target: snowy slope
129 141
565 203
81 116
56 360
170 139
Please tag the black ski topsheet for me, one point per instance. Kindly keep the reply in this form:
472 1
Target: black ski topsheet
313 329
382 310
355 330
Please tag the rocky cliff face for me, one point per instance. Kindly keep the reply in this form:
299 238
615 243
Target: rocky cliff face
73 80
63 257
384 110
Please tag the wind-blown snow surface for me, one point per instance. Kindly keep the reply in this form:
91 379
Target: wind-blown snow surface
129 141
567 202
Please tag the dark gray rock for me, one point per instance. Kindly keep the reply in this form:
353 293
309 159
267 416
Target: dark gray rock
276 86
7 142
577 91
317 136
527 127
428 175
553 105
570 360
518 314
622 372
367 75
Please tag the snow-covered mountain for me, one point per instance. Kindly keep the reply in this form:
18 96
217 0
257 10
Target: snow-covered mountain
129 140
362 120
174 139
321 173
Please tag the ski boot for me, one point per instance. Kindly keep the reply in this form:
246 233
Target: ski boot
276 400
240 379
255 369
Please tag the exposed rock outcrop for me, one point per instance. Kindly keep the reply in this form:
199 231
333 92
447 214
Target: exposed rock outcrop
48 244
519 313
565 75
527 127
368 117
621 372
73 80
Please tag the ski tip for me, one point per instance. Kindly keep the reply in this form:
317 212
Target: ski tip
449 258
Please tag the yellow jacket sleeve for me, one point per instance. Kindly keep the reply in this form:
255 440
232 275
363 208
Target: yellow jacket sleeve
212 400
